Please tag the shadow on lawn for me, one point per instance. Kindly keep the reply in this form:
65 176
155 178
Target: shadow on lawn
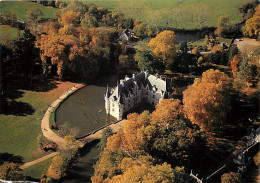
6 157
16 108
12 90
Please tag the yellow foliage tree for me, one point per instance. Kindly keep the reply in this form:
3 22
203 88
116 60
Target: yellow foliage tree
252 26
57 169
163 45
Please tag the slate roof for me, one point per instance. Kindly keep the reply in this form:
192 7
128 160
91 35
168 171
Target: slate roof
144 78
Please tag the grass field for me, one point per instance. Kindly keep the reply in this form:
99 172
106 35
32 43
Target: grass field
20 8
19 131
187 14
37 170
10 33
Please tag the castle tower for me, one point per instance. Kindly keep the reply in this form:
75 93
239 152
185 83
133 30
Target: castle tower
107 101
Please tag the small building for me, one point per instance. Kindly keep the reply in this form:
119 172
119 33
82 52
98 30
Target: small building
131 92
125 36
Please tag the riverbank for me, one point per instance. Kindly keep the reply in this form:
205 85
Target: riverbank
45 124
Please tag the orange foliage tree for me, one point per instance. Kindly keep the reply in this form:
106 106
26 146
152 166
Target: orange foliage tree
207 101
168 110
163 45
234 65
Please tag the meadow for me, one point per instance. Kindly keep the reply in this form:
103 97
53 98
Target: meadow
9 33
20 8
188 14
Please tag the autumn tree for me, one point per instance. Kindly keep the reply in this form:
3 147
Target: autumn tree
252 26
167 111
231 177
71 143
131 138
10 171
247 8
57 169
234 65
163 46
140 169
207 101
126 62
146 173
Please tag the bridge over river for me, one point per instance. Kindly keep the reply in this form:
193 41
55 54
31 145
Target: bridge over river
97 134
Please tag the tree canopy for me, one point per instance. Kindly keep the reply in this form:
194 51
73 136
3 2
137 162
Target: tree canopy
252 26
207 101
147 144
163 45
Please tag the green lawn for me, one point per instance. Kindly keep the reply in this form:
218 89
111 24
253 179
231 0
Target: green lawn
224 40
20 8
10 33
200 42
37 170
187 14
19 130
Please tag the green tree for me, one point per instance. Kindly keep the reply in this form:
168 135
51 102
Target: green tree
89 21
148 61
9 18
107 132
34 14
176 142
223 21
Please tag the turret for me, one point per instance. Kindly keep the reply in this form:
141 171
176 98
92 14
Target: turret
107 101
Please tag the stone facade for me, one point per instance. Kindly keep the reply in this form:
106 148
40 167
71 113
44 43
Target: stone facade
131 92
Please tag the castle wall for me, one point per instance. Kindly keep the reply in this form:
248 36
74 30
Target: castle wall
117 107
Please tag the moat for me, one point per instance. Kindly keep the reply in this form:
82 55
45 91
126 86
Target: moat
85 110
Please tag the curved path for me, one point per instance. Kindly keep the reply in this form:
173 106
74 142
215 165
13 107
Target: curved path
47 132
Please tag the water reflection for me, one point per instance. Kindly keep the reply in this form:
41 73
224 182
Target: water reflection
82 170
85 110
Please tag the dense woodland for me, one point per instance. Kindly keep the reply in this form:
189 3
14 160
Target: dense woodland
82 43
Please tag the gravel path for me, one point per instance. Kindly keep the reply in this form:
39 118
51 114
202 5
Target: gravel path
31 163
47 132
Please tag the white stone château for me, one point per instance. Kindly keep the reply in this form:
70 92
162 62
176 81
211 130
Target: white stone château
131 92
